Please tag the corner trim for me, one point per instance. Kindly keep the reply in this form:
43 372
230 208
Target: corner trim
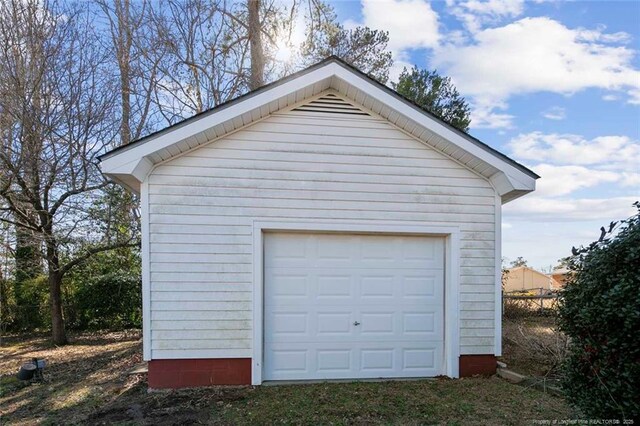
498 283
146 273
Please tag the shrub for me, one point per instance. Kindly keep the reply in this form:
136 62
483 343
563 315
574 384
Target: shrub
111 301
600 312
31 310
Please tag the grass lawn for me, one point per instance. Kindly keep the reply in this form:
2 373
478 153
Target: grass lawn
87 382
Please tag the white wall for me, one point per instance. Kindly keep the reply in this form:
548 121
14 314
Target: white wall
299 165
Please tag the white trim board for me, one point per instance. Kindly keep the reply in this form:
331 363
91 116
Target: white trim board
452 263
146 273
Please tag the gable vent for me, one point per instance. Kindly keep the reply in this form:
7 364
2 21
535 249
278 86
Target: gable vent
331 104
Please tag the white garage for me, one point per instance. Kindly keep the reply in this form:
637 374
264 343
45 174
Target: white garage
353 306
321 227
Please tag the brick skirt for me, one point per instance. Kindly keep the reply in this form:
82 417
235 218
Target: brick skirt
188 373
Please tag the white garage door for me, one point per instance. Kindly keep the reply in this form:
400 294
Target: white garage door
353 306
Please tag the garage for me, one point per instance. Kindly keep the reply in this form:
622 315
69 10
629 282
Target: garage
353 306
321 227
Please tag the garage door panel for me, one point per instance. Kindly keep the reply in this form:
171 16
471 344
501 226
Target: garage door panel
369 306
291 285
331 252
282 324
334 286
330 324
356 285
377 286
423 286
288 361
373 322
312 361
420 359
288 251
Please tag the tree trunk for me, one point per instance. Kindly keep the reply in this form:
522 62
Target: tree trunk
58 333
123 51
255 39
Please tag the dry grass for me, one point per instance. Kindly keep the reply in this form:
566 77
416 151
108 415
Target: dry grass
86 383
78 378
514 309
533 345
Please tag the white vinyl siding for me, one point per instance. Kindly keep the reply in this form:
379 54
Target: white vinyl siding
299 165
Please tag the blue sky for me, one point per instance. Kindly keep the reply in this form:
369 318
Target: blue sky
553 84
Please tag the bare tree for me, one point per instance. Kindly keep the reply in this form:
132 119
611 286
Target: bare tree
204 53
137 51
56 110
254 27
362 47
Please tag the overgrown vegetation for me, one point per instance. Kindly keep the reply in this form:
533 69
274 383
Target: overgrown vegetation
102 294
600 312
533 345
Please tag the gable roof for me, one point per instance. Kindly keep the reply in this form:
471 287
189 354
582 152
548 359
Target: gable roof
130 164
528 268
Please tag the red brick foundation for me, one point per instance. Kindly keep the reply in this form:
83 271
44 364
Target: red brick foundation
188 373
471 365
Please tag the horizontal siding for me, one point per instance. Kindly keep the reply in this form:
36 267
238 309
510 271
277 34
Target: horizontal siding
299 165
200 325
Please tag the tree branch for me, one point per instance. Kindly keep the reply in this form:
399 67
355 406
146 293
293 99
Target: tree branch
87 254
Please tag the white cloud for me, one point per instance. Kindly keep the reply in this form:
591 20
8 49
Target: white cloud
411 23
555 113
598 34
563 180
584 209
631 180
568 162
535 55
474 14
634 96
486 117
610 152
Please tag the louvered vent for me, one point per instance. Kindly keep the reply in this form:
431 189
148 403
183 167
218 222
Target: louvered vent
331 104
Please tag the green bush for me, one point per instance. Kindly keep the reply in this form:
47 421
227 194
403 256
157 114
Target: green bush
31 310
600 312
101 293
111 301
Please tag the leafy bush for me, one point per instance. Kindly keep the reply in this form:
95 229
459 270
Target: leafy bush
600 312
112 301
105 292
31 310
101 293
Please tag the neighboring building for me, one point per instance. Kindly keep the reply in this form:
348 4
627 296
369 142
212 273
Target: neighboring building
560 277
523 278
321 227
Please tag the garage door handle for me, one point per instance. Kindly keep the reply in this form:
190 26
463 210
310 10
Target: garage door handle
356 323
